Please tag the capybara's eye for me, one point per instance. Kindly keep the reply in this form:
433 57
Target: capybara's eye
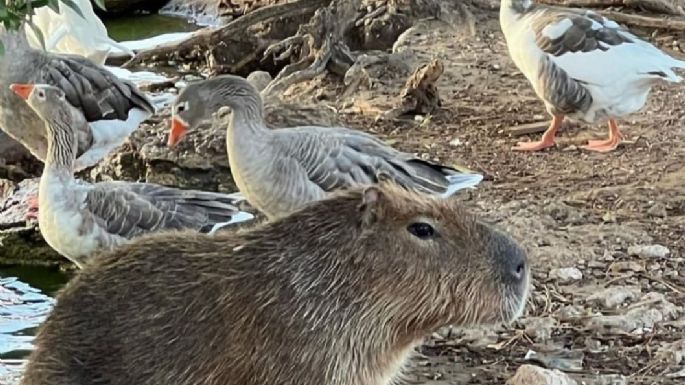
422 230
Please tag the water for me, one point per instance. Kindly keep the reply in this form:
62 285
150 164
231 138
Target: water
145 26
26 298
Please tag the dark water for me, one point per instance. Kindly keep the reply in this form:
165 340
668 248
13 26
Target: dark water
26 298
145 26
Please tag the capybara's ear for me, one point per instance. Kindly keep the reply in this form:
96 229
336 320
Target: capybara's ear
370 206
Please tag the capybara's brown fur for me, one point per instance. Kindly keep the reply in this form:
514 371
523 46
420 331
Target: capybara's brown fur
338 293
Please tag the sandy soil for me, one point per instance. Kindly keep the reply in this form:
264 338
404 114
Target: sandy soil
571 208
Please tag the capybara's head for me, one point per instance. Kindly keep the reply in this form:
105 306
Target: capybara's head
422 258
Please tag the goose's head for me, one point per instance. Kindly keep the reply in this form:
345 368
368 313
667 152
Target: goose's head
199 100
44 99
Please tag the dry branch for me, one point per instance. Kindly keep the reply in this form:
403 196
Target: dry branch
671 22
668 7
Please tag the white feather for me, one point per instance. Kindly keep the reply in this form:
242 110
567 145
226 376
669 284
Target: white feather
239 217
108 135
460 182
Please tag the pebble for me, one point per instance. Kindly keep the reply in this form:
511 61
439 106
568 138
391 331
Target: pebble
566 275
540 328
535 375
456 142
612 297
649 251
658 211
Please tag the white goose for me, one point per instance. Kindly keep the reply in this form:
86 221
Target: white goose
67 32
78 218
583 66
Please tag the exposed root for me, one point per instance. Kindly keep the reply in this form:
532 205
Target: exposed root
318 44
420 94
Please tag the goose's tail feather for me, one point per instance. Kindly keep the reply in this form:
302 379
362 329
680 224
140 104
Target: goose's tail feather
241 216
461 181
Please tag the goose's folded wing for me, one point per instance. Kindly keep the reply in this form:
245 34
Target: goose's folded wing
94 90
337 158
130 209
595 50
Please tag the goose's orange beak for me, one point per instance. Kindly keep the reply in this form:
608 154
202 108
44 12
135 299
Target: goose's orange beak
23 90
178 130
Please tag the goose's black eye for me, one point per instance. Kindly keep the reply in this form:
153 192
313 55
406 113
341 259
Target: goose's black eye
422 230
180 108
41 94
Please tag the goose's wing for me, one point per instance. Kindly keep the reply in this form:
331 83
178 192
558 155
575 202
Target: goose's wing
129 209
98 93
595 50
112 107
336 158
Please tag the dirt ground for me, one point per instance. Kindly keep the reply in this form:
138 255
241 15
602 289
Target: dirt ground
571 209
608 305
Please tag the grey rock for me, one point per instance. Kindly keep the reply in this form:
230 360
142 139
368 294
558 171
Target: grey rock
535 375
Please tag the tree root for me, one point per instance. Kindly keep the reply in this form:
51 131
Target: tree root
420 94
318 44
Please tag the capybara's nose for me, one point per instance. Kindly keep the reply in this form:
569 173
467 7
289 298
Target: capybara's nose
511 260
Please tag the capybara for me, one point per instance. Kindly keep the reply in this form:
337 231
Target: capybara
339 292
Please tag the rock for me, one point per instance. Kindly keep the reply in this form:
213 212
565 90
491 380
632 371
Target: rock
614 296
478 337
21 242
535 375
658 210
566 275
553 357
652 309
649 251
540 328
673 353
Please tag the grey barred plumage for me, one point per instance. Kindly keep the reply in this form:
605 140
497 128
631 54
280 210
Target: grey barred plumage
79 219
563 95
108 103
282 169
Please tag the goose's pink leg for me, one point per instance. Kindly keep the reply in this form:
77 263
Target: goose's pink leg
32 202
610 144
547 137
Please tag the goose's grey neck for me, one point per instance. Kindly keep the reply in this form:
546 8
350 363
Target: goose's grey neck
247 111
62 145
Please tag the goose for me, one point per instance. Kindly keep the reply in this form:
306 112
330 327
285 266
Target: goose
113 107
584 66
68 32
280 170
78 218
